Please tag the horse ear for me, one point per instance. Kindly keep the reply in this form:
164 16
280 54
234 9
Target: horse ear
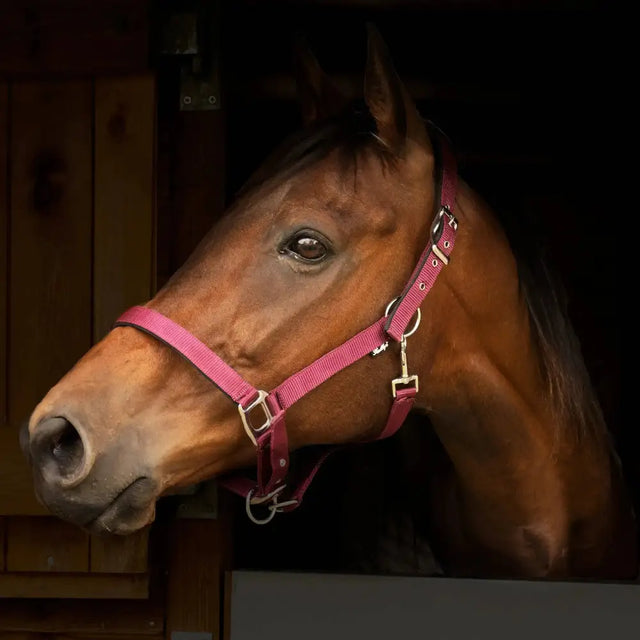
319 97
390 105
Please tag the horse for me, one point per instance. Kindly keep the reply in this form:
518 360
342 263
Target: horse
335 270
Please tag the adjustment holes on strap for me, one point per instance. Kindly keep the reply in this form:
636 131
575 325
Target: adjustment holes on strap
434 262
422 286
447 244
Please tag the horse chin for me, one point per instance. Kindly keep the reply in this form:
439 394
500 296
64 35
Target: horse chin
132 509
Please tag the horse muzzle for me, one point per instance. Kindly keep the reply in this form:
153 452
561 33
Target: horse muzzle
111 493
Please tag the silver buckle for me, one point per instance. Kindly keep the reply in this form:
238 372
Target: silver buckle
435 230
268 416
435 227
275 507
453 222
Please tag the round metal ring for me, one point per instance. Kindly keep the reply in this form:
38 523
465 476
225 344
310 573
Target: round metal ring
390 306
254 519
416 324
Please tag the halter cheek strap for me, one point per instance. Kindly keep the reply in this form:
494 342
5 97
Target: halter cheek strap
435 255
263 414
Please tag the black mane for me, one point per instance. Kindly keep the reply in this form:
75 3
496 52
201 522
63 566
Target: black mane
561 362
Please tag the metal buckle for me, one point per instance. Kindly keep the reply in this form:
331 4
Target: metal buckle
274 508
405 381
436 230
248 427
435 227
453 222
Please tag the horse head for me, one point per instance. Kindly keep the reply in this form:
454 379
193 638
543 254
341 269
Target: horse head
319 241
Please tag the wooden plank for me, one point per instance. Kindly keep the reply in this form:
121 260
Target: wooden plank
2 544
200 177
26 635
100 618
196 143
226 620
16 487
4 225
195 577
123 197
50 237
45 544
120 554
88 586
74 36
192 152
226 510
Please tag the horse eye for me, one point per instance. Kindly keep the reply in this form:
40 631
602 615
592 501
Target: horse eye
306 248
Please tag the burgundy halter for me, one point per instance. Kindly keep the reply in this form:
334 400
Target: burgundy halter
268 431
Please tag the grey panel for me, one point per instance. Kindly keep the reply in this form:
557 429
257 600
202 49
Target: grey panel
321 607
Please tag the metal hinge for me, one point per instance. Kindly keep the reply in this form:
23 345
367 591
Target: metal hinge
190 32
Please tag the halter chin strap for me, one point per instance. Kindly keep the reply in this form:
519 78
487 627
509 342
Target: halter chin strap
263 414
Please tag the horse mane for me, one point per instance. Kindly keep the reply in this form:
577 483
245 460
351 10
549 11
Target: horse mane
560 358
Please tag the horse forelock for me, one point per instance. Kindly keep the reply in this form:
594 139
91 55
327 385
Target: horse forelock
352 133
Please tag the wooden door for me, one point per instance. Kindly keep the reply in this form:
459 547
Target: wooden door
77 246
77 234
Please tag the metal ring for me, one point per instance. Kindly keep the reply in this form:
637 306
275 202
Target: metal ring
390 305
271 508
416 324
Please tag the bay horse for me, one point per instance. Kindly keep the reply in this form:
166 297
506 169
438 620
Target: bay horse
308 279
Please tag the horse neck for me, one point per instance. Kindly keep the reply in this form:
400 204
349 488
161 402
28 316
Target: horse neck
521 471
480 344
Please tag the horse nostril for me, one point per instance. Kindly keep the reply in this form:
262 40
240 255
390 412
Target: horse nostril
57 448
67 449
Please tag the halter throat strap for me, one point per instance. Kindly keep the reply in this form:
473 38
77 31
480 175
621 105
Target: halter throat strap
263 414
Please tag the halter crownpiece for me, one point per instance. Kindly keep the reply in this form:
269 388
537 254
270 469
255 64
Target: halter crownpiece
262 413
